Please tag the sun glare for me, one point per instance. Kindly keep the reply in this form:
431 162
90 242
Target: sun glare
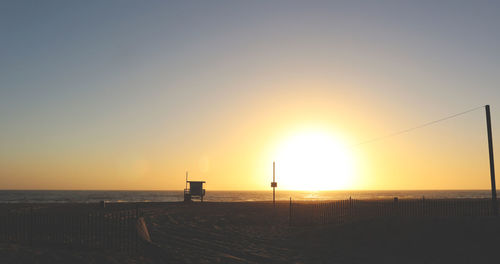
314 160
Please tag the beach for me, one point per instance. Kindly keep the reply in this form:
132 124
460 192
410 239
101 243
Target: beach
257 232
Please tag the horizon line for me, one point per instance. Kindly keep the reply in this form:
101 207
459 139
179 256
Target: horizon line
169 190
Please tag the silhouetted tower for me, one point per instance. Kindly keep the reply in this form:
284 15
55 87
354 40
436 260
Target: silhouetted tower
274 184
492 162
195 190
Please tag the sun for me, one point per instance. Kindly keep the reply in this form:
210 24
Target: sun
314 160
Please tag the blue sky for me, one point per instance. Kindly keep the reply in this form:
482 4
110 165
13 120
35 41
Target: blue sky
130 76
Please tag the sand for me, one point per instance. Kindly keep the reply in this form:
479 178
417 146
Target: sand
255 232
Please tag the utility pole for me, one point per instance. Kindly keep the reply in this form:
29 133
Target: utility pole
494 206
274 184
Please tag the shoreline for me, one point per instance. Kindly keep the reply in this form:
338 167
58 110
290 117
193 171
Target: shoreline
224 196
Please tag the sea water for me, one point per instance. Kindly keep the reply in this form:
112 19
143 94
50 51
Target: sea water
48 196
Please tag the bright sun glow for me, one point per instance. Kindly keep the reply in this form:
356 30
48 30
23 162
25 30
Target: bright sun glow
313 161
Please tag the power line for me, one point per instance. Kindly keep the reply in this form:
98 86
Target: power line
415 127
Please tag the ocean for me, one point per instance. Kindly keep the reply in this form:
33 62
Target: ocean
47 196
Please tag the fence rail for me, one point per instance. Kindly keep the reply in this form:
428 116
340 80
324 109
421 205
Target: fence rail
92 229
342 211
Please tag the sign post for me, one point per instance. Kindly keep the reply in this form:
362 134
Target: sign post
274 184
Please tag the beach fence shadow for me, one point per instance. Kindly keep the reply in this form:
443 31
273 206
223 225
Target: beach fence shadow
91 228
304 213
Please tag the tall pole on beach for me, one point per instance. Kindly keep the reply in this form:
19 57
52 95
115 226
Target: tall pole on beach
274 180
274 184
492 162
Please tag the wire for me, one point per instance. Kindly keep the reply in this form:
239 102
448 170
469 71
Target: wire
415 127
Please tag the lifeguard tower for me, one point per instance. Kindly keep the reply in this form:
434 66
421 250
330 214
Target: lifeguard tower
195 190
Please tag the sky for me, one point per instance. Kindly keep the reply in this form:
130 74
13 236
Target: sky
130 94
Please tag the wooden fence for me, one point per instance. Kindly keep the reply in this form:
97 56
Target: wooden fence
342 211
91 229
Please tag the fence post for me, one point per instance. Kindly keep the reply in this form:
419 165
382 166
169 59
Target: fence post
18 231
339 211
350 208
31 226
80 220
122 230
136 236
342 211
290 213
129 231
423 206
137 210
395 206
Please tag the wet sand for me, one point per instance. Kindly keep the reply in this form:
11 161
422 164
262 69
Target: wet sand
255 232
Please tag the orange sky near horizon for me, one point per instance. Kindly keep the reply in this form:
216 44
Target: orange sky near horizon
239 157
